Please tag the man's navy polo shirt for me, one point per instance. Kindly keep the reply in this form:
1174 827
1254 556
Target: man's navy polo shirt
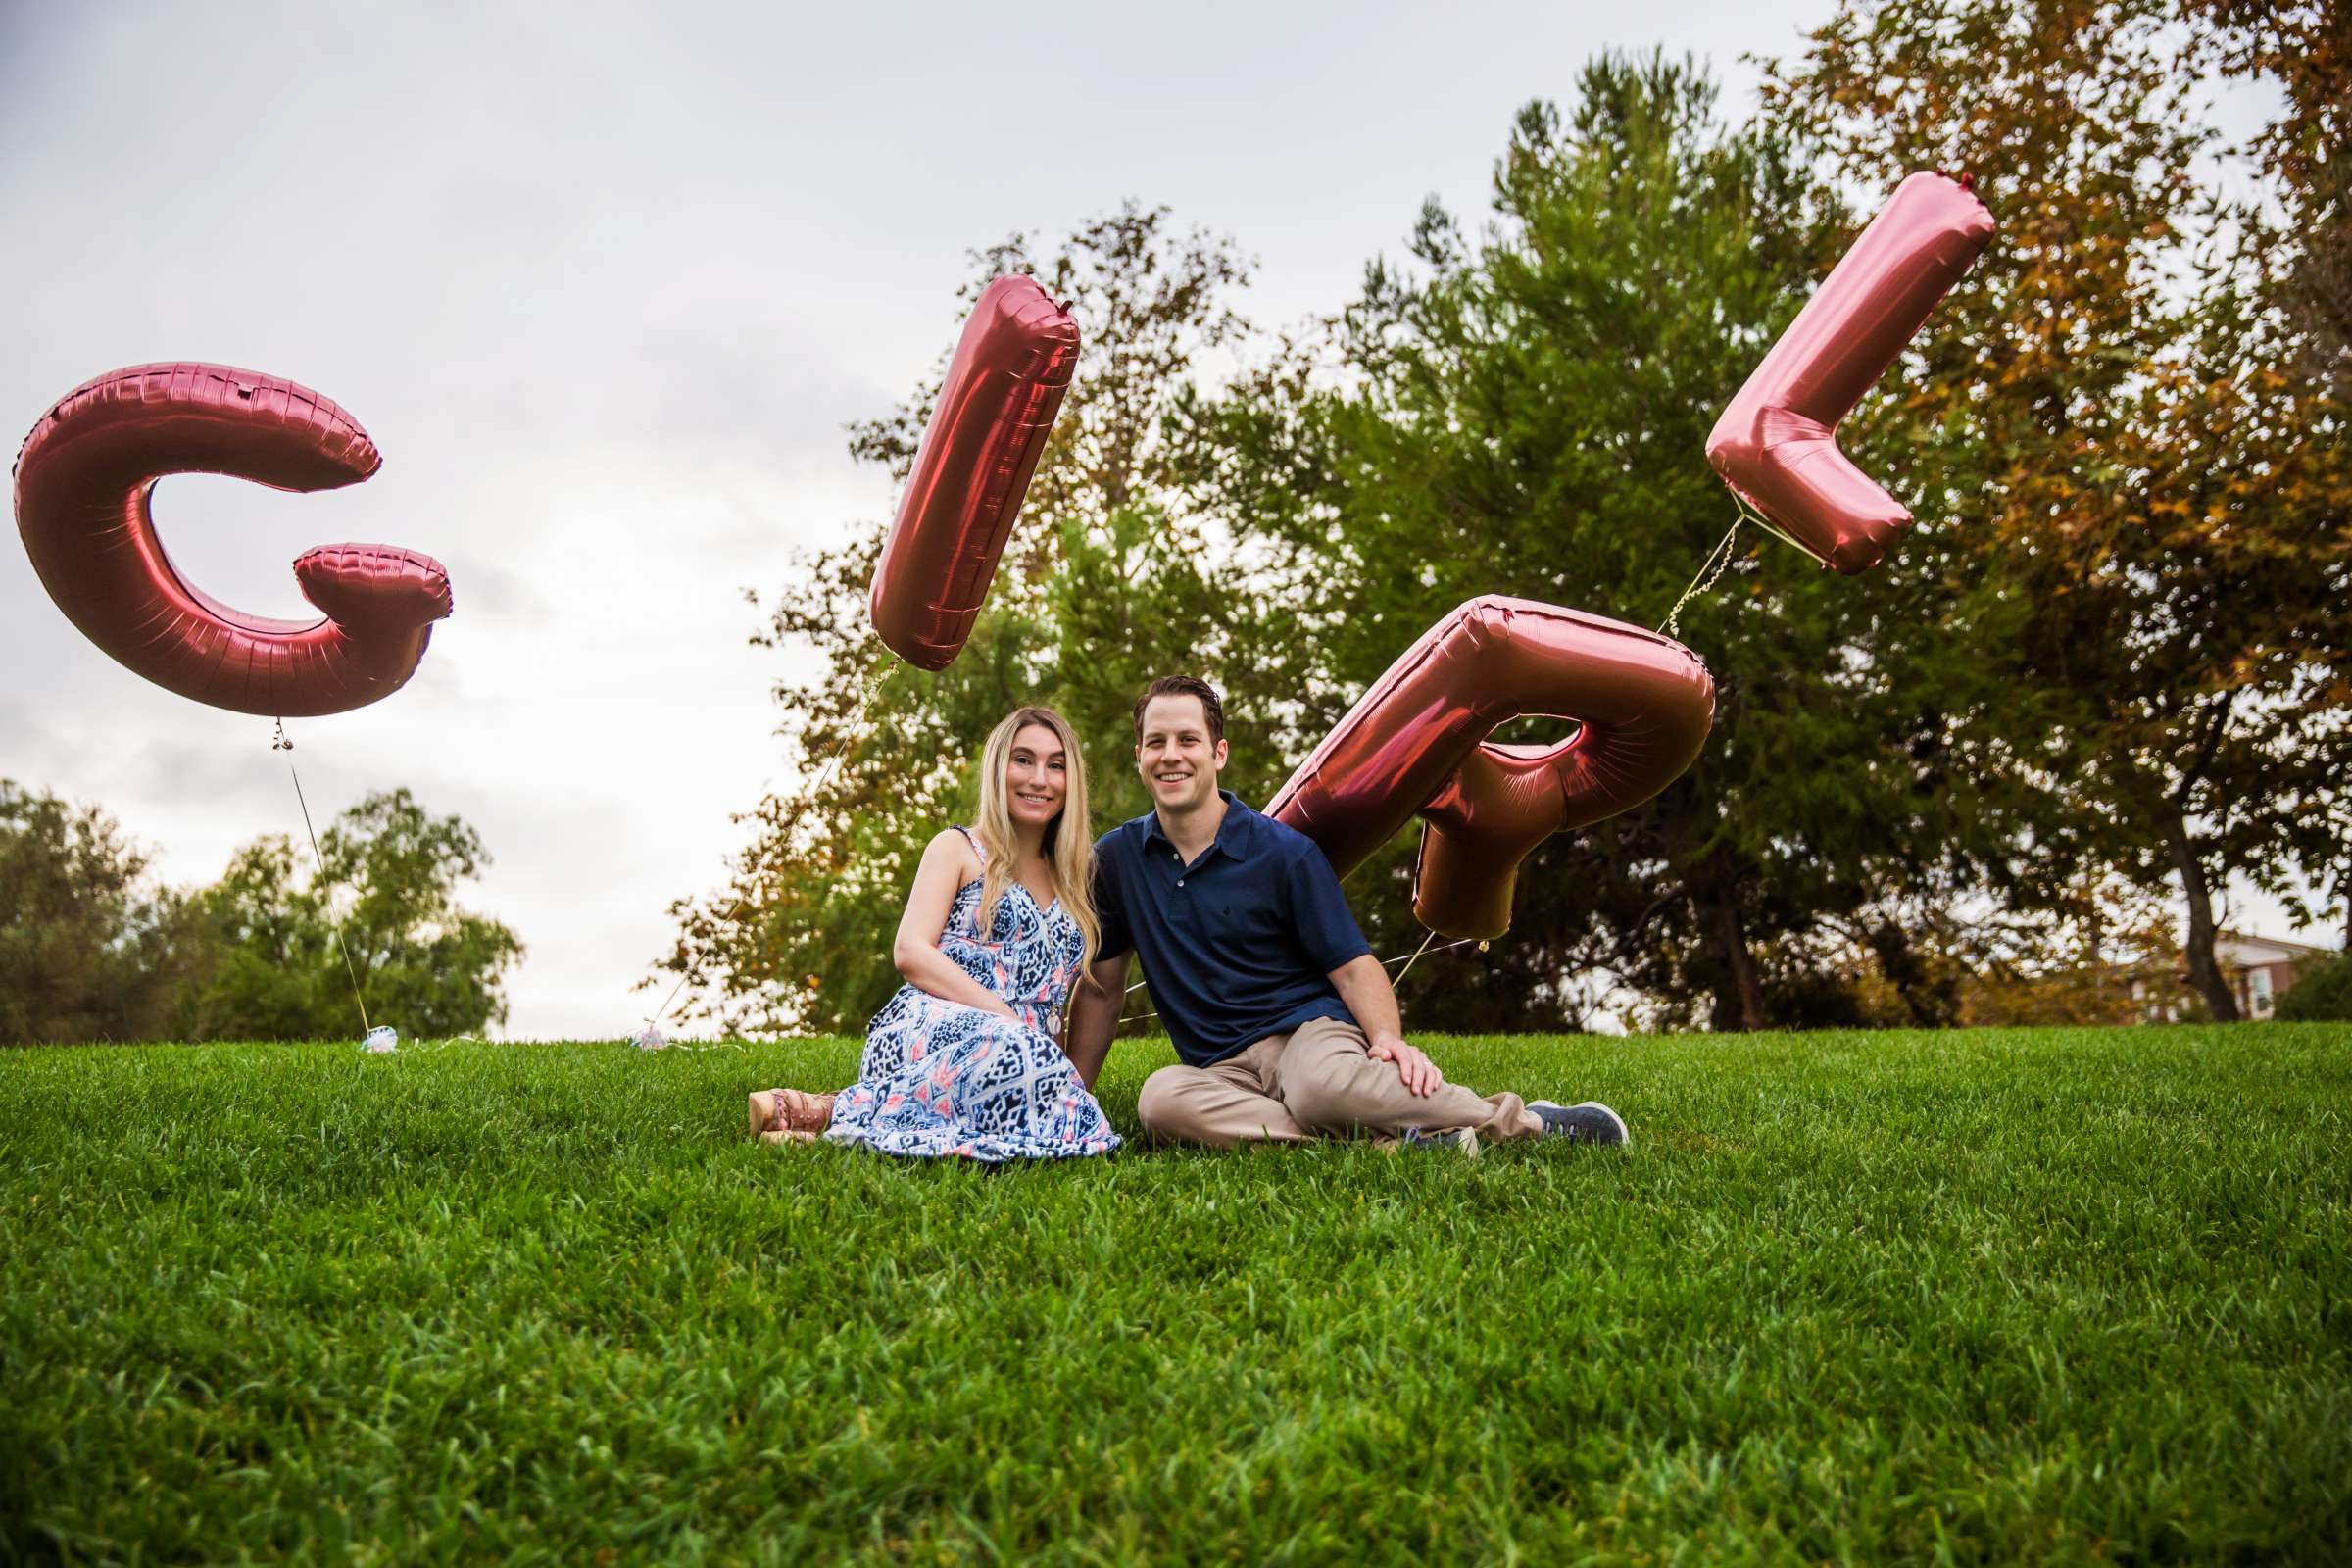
1240 944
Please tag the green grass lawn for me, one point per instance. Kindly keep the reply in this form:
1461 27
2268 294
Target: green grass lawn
2038 1296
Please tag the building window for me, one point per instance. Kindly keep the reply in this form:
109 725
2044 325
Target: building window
2258 981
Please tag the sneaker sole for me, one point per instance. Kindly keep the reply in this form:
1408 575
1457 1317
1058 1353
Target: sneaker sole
1625 1135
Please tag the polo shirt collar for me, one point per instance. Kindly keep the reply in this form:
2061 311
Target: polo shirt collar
1234 835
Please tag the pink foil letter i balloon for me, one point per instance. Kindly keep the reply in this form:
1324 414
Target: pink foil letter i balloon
971 471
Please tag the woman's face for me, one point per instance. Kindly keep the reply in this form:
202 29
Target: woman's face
1037 775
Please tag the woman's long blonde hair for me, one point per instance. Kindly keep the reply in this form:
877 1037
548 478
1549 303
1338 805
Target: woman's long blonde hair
1070 846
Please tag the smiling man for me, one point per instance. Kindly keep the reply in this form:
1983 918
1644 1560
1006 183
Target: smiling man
1286 1024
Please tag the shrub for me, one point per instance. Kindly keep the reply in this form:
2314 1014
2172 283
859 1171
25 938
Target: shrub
2322 990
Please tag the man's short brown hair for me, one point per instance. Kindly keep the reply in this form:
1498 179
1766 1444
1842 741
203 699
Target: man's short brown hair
1184 686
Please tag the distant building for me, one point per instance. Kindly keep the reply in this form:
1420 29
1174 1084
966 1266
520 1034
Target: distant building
2259 969
2262 969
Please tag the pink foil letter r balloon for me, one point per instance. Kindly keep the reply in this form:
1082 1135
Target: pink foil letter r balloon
1417 743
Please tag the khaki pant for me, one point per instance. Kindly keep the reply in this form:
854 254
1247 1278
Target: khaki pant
1320 1080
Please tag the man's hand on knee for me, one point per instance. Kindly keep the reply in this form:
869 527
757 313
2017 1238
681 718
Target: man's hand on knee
1415 1069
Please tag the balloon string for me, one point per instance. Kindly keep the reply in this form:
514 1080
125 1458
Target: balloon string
1407 960
1416 958
1709 569
279 743
800 807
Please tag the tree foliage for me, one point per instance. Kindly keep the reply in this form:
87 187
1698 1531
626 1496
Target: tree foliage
2321 992
2123 422
281 935
1525 413
2304 47
91 950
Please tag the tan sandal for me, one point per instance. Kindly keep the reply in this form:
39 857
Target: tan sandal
783 1136
794 1110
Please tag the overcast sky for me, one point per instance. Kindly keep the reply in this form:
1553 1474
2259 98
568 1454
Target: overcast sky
604 284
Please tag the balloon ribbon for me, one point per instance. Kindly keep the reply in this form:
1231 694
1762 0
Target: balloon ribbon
1718 560
279 743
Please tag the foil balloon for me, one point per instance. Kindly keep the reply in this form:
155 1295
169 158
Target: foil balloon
83 482
1417 744
974 468
1777 444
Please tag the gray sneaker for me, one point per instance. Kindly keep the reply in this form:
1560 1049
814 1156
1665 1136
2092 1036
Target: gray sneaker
1464 1139
1589 1123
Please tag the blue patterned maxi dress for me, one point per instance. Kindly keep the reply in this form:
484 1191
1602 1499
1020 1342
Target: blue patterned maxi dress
941 1078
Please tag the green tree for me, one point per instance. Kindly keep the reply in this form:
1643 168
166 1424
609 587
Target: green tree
391 870
1525 412
2115 640
89 950
1105 582
2304 47
2133 426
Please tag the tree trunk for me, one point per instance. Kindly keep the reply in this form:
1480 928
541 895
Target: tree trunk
1742 1007
2204 970
1928 1004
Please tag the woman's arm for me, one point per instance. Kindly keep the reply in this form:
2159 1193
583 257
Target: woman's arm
948 865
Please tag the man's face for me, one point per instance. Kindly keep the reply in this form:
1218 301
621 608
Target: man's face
1178 760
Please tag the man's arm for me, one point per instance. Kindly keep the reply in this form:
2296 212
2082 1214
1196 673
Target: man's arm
1363 984
1095 1015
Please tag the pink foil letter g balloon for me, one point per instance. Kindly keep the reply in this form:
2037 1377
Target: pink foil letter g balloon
83 482
1417 743
977 456
1777 444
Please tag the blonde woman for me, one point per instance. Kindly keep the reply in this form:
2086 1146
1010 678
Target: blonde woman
966 1058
